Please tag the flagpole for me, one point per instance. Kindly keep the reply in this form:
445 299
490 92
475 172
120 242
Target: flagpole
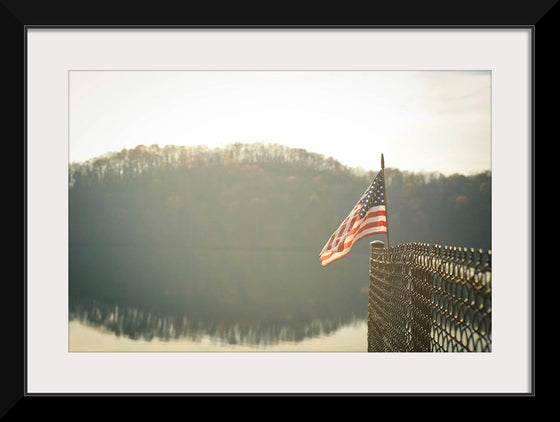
386 201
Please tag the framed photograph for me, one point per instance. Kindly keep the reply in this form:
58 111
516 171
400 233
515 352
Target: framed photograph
109 110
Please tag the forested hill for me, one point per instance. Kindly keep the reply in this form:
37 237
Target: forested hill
255 196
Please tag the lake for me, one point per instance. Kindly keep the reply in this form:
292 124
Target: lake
145 297
86 338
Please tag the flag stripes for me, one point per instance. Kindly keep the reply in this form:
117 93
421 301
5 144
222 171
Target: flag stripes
368 217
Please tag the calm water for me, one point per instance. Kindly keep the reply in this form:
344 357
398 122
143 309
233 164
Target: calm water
151 298
87 338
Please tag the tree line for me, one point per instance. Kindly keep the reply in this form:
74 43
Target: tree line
426 207
135 161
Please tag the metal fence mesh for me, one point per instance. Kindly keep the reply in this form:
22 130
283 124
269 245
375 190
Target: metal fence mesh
429 298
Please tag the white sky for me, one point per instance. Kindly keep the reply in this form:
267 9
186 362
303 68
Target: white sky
433 121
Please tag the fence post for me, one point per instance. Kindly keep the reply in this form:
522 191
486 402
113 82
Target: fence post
371 324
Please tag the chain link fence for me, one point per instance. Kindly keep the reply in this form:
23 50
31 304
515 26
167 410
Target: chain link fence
429 298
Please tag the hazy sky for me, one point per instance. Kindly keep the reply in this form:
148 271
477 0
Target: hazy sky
434 121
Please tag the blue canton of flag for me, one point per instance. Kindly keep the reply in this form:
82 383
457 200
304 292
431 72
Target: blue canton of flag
374 196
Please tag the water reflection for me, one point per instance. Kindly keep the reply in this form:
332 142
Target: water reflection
137 324
237 296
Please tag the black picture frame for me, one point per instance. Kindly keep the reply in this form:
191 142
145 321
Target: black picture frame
17 16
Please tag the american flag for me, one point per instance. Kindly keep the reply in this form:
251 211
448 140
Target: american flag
368 217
